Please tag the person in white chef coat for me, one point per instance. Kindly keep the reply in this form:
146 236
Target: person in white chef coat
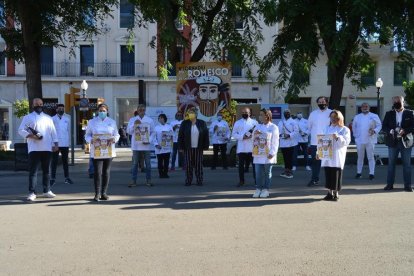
341 137
288 131
366 126
62 126
39 130
220 135
163 143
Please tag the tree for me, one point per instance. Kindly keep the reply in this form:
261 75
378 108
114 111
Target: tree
214 27
29 24
409 93
342 30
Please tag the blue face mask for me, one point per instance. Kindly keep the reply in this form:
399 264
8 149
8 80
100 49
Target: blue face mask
219 118
102 114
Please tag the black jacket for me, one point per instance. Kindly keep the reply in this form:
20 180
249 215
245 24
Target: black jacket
184 135
390 122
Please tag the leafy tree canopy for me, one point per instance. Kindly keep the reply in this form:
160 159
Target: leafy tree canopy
341 30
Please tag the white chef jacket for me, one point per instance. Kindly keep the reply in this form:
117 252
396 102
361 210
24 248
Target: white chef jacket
173 124
43 123
339 146
317 122
99 126
159 130
138 145
274 143
241 127
303 131
62 126
361 125
290 127
223 129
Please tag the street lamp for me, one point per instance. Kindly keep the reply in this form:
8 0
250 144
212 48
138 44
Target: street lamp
378 84
84 87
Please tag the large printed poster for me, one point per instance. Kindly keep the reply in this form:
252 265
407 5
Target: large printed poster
205 86
102 146
166 141
261 144
325 147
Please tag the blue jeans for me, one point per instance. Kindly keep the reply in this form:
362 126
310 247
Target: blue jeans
263 175
136 155
406 160
301 147
316 164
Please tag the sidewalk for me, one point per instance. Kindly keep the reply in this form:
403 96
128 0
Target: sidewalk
216 229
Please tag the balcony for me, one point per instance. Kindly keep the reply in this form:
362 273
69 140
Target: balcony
104 69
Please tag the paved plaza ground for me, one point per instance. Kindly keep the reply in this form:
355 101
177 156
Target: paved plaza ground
216 229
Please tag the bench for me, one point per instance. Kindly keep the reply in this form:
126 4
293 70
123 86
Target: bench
381 151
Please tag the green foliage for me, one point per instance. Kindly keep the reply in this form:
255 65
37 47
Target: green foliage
21 108
409 93
341 30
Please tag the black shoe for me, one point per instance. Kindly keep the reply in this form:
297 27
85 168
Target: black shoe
68 181
408 189
96 198
328 197
241 183
335 198
313 183
200 184
358 176
104 197
371 176
388 188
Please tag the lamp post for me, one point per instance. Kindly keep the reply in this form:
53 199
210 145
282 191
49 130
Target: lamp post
84 87
378 84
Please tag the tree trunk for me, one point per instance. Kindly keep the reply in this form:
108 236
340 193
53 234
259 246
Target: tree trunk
337 86
31 30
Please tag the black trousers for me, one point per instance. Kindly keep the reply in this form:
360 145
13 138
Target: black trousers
288 157
222 148
163 160
64 151
37 159
245 158
193 159
102 169
333 178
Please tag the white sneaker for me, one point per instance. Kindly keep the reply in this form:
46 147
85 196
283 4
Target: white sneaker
264 193
308 168
294 168
49 194
257 193
31 197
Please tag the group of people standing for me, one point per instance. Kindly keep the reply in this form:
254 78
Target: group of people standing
257 143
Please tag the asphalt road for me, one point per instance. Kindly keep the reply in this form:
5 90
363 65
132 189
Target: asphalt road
216 229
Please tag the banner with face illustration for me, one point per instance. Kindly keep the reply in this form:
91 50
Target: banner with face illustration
166 141
325 147
261 144
142 132
102 146
205 86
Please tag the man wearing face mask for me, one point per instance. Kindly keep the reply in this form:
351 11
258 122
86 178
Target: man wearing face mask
243 133
141 127
288 131
220 135
397 124
176 128
62 126
318 121
366 126
303 140
39 130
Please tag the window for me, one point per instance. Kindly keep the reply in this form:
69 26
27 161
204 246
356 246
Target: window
2 63
46 60
236 67
4 124
127 60
125 108
400 73
86 60
173 71
368 74
126 14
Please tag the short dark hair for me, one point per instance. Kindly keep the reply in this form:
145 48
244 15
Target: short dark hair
103 105
60 105
162 115
322 97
